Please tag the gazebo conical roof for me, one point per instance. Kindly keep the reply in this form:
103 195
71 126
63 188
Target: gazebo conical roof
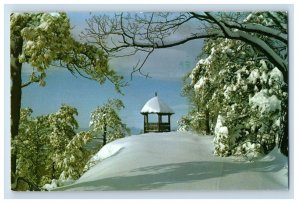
156 105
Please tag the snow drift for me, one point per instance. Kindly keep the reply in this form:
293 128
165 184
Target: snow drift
178 161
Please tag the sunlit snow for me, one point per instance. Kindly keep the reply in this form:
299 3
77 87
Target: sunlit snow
178 161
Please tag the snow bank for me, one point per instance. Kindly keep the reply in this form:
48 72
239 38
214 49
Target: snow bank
275 155
108 151
177 161
276 159
105 152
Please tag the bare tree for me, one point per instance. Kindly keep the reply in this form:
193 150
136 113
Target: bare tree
125 34
130 33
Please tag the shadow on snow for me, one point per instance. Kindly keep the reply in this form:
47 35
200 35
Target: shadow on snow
152 177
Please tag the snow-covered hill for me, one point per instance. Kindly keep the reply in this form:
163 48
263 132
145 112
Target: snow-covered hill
178 161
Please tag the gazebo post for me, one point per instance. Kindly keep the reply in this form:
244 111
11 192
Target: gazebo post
145 122
169 121
159 122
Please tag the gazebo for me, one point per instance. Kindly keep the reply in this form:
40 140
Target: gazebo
156 106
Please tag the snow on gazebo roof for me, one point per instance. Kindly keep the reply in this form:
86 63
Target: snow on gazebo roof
156 105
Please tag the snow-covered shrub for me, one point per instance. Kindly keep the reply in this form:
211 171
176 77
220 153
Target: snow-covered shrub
194 122
222 139
57 183
184 124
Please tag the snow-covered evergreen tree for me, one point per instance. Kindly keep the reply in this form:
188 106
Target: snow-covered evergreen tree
106 123
29 144
195 120
247 91
198 92
49 148
75 156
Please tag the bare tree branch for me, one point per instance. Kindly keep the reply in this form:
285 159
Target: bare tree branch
149 31
29 82
139 67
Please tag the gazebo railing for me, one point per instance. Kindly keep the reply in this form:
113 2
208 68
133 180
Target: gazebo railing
157 127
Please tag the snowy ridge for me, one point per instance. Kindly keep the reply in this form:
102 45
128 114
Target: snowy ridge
107 151
178 161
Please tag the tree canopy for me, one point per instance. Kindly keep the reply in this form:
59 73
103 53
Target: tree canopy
44 40
47 41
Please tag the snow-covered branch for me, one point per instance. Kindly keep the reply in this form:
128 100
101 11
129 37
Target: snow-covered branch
252 40
259 29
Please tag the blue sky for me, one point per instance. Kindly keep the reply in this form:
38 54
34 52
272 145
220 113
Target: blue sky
166 68
63 88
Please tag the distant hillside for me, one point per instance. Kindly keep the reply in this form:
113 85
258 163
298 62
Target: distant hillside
82 129
136 131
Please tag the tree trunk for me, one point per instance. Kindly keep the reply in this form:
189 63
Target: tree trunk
284 140
16 92
104 135
207 126
283 143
